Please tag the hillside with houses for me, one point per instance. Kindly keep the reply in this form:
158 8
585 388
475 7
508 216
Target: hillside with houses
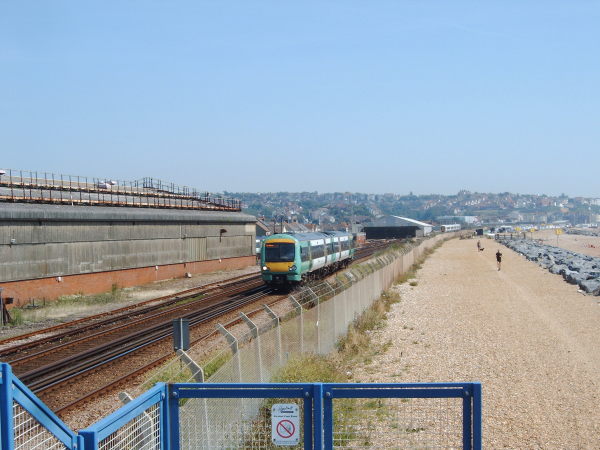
310 210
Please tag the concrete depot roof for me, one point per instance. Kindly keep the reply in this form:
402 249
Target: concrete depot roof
396 221
26 211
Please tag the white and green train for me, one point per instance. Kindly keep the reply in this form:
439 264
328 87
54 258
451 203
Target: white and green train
290 259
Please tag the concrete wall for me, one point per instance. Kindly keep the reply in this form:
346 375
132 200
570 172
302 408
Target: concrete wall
47 241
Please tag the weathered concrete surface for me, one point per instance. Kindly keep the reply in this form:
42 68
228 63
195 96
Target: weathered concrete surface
49 250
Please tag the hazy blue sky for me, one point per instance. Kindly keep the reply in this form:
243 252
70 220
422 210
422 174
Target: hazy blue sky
364 96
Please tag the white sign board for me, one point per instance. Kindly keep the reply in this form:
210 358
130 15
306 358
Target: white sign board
285 424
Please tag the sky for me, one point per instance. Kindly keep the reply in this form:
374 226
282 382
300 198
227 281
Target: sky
256 96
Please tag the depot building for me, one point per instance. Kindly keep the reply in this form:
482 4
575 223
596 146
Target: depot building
396 227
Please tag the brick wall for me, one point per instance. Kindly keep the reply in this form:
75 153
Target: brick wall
93 283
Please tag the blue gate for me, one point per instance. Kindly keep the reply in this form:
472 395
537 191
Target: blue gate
209 416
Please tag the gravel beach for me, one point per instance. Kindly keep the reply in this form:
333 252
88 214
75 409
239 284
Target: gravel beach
529 337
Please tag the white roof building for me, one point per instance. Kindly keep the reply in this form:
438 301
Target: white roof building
397 221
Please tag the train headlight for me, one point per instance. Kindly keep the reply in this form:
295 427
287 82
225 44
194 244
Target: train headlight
292 268
265 268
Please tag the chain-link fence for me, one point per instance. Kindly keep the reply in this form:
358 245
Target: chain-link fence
311 321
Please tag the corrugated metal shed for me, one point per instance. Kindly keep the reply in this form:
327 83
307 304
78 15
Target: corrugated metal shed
393 227
39 240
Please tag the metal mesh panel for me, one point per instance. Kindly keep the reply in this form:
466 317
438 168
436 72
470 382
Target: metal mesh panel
398 423
271 354
30 434
326 326
249 362
141 433
227 373
310 332
228 423
338 312
291 337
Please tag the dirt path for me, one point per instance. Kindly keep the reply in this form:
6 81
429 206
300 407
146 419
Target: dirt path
529 337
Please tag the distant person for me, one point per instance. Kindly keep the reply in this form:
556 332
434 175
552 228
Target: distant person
479 247
499 258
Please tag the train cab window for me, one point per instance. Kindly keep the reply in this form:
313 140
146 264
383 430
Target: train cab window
279 252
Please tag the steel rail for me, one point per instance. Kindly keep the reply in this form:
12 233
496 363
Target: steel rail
115 330
76 365
116 315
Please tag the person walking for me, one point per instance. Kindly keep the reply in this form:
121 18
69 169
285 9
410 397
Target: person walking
478 246
499 258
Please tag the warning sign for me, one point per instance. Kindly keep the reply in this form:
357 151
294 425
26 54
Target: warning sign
285 424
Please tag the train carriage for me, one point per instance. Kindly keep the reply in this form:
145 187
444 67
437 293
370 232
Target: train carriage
450 228
291 258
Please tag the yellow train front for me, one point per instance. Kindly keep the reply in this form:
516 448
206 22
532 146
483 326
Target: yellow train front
292 258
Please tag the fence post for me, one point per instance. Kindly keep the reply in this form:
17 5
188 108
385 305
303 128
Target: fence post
6 409
170 439
318 415
275 317
477 431
318 305
256 336
197 371
233 344
298 307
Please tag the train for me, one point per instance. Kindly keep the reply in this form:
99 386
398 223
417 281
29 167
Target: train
289 259
449 228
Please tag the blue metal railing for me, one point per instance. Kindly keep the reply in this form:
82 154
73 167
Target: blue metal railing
124 425
26 422
155 420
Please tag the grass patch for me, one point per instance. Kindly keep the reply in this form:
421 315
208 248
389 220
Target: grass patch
178 372
215 363
311 368
182 302
411 273
357 341
16 317
67 304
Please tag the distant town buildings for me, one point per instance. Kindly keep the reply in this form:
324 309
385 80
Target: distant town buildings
344 210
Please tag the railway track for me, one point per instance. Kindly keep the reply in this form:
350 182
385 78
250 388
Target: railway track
53 364
67 331
99 391
40 369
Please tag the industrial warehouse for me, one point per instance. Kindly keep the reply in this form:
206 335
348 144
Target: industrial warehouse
62 235
396 227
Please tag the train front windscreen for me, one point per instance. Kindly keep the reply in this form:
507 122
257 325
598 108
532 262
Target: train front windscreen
279 252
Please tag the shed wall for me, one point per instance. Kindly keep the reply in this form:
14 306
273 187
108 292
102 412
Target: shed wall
32 249
391 232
